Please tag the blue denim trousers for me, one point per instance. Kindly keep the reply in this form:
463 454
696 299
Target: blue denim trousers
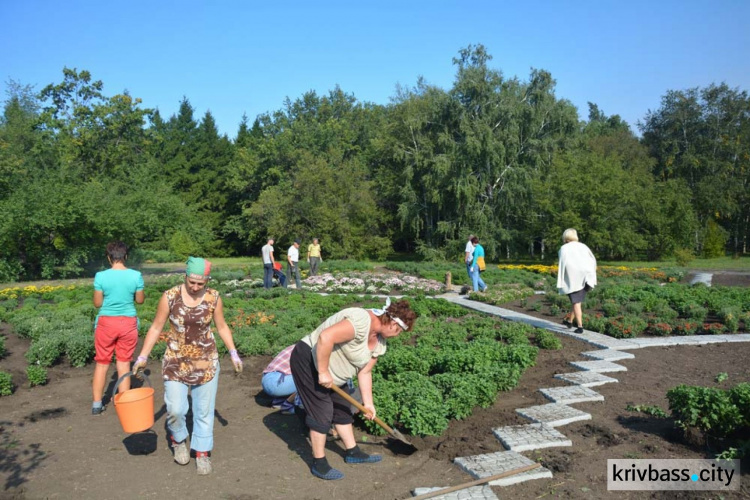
278 384
204 402
477 280
267 275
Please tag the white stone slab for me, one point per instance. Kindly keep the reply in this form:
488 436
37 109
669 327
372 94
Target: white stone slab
599 366
530 437
571 394
585 379
481 466
553 414
608 355
483 492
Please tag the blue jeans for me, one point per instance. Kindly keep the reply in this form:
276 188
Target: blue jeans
468 271
267 275
277 384
204 402
476 279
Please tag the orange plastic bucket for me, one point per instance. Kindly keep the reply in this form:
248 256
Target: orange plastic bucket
135 408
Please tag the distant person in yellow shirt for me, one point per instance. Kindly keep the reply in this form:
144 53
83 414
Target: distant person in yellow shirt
313 257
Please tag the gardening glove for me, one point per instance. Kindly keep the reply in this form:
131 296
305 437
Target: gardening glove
139 365
236 361
471 269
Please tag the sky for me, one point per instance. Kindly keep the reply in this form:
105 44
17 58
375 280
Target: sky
233 57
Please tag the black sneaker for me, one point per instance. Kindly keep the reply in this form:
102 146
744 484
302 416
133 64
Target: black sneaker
578 330
98 411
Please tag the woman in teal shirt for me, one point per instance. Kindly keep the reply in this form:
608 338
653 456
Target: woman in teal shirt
476 278
116 329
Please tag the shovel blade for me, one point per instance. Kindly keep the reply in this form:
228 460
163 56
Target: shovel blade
397 435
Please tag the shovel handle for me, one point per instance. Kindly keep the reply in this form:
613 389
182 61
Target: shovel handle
361 408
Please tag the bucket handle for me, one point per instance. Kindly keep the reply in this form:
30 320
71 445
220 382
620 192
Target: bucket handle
119 380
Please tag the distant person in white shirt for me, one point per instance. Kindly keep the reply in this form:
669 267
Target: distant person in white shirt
469 257
292 257
576 275
268 262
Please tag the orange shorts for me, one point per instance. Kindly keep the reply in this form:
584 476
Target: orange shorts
118 334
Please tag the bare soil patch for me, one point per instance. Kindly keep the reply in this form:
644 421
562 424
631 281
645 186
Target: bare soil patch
51 447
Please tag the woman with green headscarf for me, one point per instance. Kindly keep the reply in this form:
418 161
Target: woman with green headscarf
191 360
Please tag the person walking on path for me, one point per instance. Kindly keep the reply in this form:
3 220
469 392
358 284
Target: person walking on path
477 266
116 327
191 360
268 261
576 275
347 344
314 257
469 257
292 268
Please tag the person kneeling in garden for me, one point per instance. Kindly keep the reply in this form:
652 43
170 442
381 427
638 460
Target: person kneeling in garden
346 344
191 360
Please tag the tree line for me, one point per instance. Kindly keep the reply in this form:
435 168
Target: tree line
499 157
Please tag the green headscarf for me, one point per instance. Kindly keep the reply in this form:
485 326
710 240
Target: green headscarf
198 268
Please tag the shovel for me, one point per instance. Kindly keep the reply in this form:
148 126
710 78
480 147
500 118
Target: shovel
393 432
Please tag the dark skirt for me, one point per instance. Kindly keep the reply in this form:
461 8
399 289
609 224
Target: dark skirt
579 296
323 406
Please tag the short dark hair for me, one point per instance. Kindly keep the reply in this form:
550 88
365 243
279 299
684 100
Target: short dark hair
117 250
474 240
401 310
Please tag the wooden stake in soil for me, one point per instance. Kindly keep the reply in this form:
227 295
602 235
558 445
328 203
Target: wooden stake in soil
477 482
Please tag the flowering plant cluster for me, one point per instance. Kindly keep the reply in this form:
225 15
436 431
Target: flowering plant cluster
602 271
31 290
371 283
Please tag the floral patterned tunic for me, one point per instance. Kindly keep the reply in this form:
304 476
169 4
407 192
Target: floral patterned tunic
191 356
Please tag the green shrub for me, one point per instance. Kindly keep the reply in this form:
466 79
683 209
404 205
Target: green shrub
597 323
625 326
634 308
547 340
79 346
708 409
36 374
686 327
3 351
462 393
253 344
694 311
422 410
660 328
730 316
47 350
714 240
662 311
6 384
684 256
610 308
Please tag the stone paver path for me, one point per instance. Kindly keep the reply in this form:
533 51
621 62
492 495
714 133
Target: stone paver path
586 379
553 414
599 366
570 395
608 355
480 466
483 492
530 437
